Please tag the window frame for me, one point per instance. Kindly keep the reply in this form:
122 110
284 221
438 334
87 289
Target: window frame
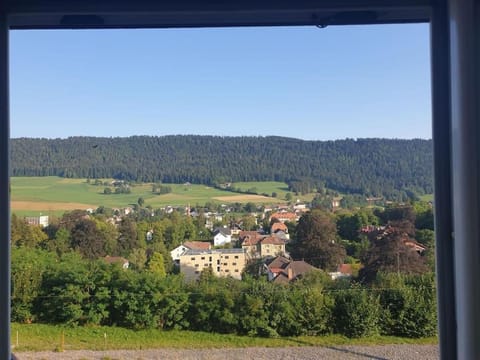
76 14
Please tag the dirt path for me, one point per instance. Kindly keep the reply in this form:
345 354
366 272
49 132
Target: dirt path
386 352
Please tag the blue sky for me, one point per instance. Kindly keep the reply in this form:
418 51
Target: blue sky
302 82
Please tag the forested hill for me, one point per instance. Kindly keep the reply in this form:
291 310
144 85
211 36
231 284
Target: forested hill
367 166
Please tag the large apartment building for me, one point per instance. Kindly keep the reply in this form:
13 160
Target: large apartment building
223 262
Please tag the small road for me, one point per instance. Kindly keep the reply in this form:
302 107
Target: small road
384 352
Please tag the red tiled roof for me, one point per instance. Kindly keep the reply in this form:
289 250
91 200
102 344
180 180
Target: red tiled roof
273 240
197 245
249 238
284 215
278 226
345 269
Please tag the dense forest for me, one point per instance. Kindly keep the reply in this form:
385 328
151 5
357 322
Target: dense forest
392 168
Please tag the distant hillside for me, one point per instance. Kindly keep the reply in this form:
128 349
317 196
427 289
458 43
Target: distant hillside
392 168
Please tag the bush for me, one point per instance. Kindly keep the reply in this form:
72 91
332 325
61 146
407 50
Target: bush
356 312
408 305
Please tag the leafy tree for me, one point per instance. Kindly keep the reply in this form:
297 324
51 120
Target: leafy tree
141 201
127 240
86 238
316 241
28 268
349 226
249 222
424 216
156 264
109 235
75 292
138 259
60 243
389 253
23 234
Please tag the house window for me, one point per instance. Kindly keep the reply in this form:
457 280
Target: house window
234 264
210 259
236 256
226 270
203 257
193 259
218 262
196 265
236 270
218 268
205 265
226 256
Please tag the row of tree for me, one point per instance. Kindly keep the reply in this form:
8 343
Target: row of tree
395 169
71 290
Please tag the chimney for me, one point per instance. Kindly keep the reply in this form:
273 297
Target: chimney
290 273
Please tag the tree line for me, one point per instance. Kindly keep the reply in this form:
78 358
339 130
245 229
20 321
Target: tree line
395 169
74 291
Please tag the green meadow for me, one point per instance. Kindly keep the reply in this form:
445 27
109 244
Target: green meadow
54 195
38 337
268 187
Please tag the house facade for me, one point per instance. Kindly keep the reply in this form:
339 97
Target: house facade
41 220
188 245
222 236
257 246
222 262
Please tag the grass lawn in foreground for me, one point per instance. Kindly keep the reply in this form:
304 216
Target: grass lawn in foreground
37 337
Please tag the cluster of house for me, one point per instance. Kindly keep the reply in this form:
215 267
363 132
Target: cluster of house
193 257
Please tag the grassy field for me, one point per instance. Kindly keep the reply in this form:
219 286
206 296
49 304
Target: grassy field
427 197
271 186
37 337
54 195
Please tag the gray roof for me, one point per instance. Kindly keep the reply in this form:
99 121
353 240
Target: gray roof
214 251
224 231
